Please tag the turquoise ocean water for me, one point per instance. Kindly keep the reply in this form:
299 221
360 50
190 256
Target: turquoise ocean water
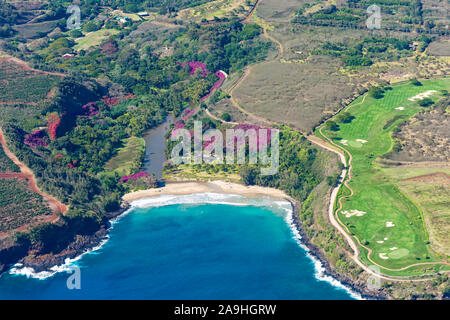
204 246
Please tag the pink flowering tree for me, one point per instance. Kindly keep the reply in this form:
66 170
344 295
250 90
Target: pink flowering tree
36 138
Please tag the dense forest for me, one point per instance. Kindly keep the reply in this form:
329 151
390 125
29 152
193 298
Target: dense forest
297 175
113 92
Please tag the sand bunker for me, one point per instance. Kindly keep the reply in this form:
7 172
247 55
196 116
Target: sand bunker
353 213
344 142
393 248
383 256
400 108
390 224
398 253
361 140
422 95
382 241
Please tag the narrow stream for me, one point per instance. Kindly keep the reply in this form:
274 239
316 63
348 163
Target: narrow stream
155 145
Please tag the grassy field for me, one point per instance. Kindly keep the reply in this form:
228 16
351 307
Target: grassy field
379 213
204 172
131 16
94 38
35 30
440 48
124 162
306 83
218 8
429 189
279 10
298 94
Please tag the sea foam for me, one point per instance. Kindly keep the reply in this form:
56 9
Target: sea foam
201 198
320 270
238 200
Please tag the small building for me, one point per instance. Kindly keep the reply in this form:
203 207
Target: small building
68 56
143 14
414 45
122 19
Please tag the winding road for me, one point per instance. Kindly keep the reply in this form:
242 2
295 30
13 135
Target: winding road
337 223
27 173
25 66
345 177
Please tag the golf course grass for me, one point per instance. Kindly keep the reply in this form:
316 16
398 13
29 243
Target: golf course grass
379 214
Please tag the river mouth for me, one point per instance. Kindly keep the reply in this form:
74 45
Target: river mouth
155 145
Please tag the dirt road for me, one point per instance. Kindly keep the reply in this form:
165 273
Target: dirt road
27 173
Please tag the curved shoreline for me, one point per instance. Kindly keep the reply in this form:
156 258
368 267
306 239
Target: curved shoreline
322 270
191 187
323 266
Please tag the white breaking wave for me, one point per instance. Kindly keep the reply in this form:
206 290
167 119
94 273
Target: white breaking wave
19 270
203 198
199 198
320 270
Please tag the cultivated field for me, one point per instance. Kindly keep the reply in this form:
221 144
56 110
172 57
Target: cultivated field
19 206
19 84
379 214
6 165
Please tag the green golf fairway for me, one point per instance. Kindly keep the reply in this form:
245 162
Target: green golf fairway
391 224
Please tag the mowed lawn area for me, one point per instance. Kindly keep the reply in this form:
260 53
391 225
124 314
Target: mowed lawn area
383 217
128 157
94 38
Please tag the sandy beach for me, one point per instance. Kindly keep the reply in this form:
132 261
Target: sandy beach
185 188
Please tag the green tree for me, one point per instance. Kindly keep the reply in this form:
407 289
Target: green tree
226 117
332 125
376 92
426 102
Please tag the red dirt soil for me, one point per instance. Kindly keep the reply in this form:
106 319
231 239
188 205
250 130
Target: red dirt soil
27 173
25 66
440 176
251 12
38 220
